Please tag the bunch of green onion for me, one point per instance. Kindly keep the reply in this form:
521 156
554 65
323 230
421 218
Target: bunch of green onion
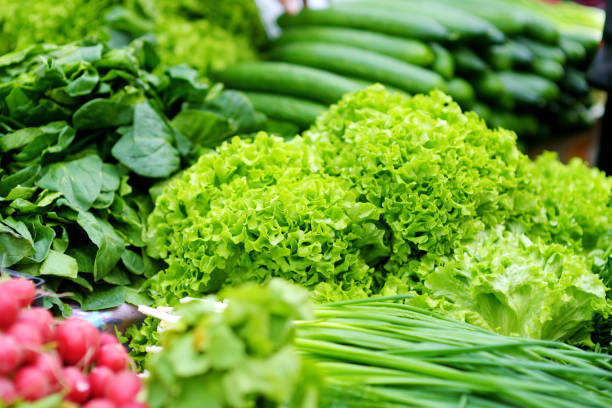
379 354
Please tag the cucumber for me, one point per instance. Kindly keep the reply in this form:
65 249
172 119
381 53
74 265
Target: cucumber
482 110
286 108
443 64
490 88
528 89
362 64
573 50
525 125
462 26
467 62
296 80
462 92
511 22
511 18
589 41
282 128
387 22
548 69
411 51
504 57
544 51
575 82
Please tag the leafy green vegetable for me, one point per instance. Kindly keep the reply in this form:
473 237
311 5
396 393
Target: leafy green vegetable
237 358
85 131
387 195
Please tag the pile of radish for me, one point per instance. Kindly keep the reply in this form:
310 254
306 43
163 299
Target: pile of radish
40 356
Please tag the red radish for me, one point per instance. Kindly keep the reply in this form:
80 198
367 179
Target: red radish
99 378
77 384
123 388
51 365
41 318
31 384
8 395
9 308
107 338
77 341
11 355
113 356
23 289
100 403
134 405
28 337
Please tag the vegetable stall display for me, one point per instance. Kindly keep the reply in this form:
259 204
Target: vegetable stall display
446 267
519 64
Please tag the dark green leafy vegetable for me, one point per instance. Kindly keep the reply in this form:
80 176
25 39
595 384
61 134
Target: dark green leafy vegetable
85 131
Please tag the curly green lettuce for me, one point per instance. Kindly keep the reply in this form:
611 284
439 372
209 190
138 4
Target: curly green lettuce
438 175
261 208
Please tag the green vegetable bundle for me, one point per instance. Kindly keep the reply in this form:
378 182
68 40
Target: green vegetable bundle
236 357
524 59
85 131
357 354
203 34
386 195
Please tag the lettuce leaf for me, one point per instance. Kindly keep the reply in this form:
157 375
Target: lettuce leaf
504 281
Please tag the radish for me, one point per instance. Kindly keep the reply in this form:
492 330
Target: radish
32 384
9 308
100 403
28 337
107 338
11 355
113 356
41 318
134 405
99 378
77 384
77 341
8 395
123 388
23 289
51 365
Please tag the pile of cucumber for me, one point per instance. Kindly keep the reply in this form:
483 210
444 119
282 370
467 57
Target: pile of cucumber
518 63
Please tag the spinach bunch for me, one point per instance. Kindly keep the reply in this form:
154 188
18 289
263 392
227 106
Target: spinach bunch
85 132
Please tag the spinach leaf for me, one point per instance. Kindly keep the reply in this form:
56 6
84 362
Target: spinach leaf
80 181
101 114
146 148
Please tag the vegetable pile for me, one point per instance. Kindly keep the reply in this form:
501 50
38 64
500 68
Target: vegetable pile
358 354
519 63
85 131
58 362
202 33
400 251
386 195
